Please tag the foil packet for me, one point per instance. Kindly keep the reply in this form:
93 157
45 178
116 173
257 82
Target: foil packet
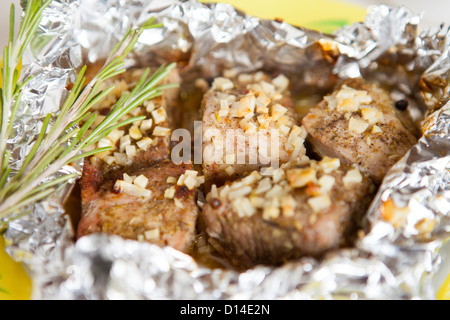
407 223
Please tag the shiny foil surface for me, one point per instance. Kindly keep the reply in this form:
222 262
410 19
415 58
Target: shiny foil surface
406 225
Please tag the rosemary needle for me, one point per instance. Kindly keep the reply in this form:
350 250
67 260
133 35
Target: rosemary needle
63 136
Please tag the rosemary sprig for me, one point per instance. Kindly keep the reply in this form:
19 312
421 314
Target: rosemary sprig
63 137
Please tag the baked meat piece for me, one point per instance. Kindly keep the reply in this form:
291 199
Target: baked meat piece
271 217
136 145
155 204
358 124
248 122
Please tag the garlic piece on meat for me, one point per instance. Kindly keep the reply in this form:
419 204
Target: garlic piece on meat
159 115
169 193
328 164
319 203
371 115
300 177
131 189
141 181
144 143
135 133
281 82
161 131
152 234
357 125
222 84
353 176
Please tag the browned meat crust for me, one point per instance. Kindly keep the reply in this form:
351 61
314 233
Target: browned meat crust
306 210
123 191
156 219
358 123
248 106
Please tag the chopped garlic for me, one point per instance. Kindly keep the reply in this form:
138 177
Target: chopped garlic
264 120
284 129
357 125
278 175
214 193
136 112
171 180
121 158
141 181
263 186
319 203
152 234
131 189
275 192
372 115
222 114
149 106
277 110
190 182
248 127
230 73
144 143
229 170
124 141
271 212
130 151
262 101
288 205
246 106
350 100
115 135
326 182
146 124
258 76
98 120
159 115
243 207
178 203
257 202
201 83
332 101
281 82
328 164
224 104
301 177
245 78
169 193
104 143
200 181
135 133
240 192
188 179
353 176
102 155
120 87
376 129
127 178
296 137
161 131
109 160
262 110
222 84
267 88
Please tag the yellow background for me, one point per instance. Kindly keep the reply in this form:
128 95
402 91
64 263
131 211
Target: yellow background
14 282
323 15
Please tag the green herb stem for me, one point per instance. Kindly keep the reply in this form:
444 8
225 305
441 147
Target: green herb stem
63 136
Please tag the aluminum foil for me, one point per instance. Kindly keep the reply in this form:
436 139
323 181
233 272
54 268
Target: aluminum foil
394 259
